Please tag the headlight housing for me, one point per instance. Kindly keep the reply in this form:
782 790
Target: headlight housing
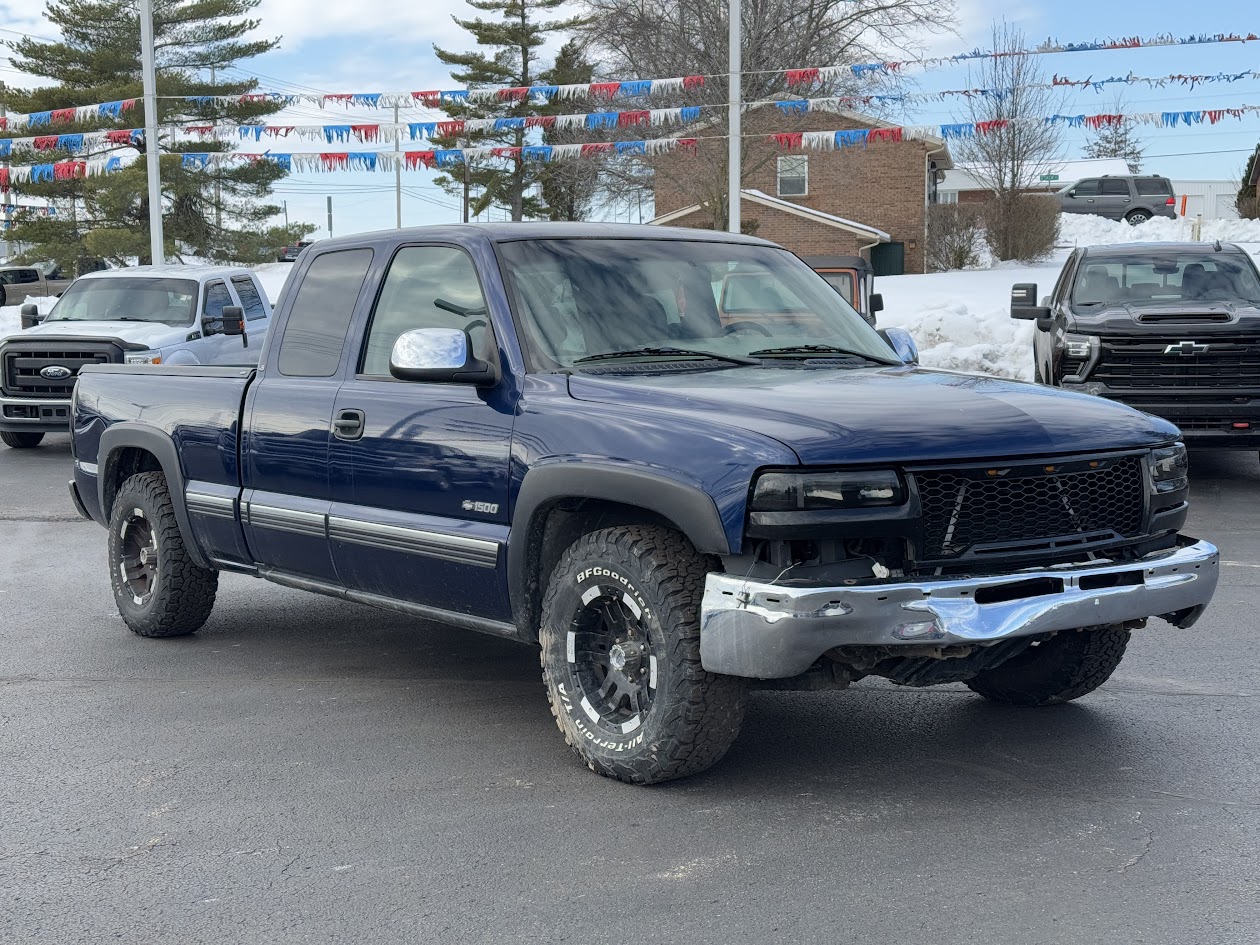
1170 468
144 357
1079 354
822 491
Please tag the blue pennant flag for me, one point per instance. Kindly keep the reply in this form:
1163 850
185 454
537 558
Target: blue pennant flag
793 107
6 147
194 99
370 99
636 87
689 113
363 162
455 95
195 159
961 130
70 142
284 160
36 119
42 174
539 152
852 137
255 130
448 158
545 91
508 124
110 109
632 147
336 133
602 120
113 164
422 129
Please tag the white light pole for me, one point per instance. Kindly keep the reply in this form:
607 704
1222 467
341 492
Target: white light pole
734 123
157 245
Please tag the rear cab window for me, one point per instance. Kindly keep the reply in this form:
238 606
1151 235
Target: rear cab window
1154 187
315 331
251 301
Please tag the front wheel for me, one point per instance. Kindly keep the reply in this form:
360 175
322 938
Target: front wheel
20 440
620 640
159 590
1065 667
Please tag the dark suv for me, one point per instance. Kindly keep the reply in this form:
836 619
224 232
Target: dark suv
1133 199
1169 328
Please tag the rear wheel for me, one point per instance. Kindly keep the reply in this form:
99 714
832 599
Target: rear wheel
21 441
1065 667
620 655
1137 216
159 590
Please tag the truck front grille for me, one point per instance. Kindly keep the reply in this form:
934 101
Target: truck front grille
995 511
23 364
1145 363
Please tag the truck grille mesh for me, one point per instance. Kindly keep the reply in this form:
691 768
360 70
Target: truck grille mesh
22 366
961 512
1141 363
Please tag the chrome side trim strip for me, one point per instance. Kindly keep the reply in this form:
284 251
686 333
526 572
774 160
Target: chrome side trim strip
215 506
285 520
477 552
90 469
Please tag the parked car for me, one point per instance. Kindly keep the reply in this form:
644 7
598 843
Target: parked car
1130 198
19 282
853 278
1169 328
290 253
142 315
545 432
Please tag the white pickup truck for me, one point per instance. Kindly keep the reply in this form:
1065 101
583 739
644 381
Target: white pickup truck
142 315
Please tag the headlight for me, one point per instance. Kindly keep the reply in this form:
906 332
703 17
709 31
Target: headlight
144 357
1170 468
1080 347
796 492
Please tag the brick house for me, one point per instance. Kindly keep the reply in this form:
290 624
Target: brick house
869 200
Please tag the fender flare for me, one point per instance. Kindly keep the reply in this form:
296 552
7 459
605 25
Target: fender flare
688 506
127 435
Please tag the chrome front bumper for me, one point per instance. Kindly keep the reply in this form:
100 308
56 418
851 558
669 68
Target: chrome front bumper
772 631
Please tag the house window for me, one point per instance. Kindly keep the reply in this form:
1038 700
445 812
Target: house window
794 175
947 196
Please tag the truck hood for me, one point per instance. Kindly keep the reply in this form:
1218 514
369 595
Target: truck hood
144 334
890 415
1183 319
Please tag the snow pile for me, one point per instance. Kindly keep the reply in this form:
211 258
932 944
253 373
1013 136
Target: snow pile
1079 229
11 315
961 321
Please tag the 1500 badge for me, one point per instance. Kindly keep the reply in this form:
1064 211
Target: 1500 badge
489 508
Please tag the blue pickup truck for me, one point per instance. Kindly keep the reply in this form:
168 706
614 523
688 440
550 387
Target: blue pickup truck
675 461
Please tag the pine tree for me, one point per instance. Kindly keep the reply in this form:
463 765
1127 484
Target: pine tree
1116 139
1247 202
217 212
508 58
568 186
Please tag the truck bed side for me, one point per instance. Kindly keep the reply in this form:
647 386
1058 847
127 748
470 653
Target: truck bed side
183 421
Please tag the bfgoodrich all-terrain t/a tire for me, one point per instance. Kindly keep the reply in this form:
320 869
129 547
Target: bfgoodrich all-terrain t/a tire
1065 667
160 592
620 642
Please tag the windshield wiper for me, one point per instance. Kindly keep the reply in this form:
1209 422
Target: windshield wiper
667 352
811 351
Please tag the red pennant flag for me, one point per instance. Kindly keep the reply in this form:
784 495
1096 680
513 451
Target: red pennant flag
124 136
189 130
279 131
798 77
604 89
4 179
417 159
366 132
69 170
506 152
45 143
335 160
630 119
693 82
63 114
342 97
884 134
517 94
448 129
602 147
433 97
540 121
787 141
988 127
688 144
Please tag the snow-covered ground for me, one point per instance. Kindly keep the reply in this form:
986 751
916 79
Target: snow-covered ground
961 321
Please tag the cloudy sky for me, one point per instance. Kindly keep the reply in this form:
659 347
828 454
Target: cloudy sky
372 45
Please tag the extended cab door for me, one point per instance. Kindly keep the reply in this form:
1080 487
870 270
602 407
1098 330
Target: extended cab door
257 315
288 421
426 518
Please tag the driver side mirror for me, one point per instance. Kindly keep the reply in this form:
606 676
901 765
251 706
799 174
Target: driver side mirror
31 316
441 355
1024 303
876 303
900 341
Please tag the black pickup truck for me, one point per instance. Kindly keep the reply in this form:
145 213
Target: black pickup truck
1172 329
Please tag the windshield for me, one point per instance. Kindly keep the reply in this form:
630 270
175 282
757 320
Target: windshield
129 298
582 298
1173 278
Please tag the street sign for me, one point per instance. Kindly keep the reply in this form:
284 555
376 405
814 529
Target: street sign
1049 177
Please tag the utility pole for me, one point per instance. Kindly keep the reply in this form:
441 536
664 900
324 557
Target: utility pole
397 175
465 163
285 204
734 121
330 217
152 149
218 194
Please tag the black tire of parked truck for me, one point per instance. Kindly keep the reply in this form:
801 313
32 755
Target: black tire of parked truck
1065 667
620 642
160 592
20 440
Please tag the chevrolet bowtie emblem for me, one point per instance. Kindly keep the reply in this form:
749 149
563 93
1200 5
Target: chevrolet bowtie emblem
1186 349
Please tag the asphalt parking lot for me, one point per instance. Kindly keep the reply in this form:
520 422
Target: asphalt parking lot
308 770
